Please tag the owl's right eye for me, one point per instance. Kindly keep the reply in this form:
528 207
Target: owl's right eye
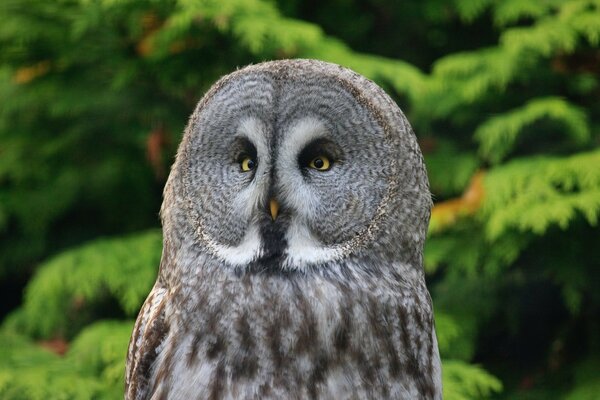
247 163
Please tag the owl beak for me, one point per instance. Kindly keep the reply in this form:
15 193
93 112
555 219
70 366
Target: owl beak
274 208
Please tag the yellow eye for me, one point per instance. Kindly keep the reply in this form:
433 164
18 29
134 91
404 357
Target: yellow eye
320 163
247 163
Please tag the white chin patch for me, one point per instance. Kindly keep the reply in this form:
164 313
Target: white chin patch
247 251
304 249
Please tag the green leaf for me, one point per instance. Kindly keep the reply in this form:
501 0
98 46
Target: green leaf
530 195
498 135
462 381
68 288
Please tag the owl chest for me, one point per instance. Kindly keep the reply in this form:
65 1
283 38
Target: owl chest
262 371
301 378
294 349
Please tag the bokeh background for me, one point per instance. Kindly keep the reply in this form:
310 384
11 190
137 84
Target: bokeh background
504 97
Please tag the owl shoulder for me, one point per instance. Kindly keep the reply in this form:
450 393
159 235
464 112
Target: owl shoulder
148 332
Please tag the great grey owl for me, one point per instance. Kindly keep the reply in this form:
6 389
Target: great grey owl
294 220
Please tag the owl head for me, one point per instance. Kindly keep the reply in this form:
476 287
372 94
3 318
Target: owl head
292 165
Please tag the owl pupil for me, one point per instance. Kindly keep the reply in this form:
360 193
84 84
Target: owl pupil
318 163
251 164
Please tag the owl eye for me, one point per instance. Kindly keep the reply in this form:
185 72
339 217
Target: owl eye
321 155
247 163
320 163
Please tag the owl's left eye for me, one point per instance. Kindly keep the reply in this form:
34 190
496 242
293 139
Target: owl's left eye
320 155
320 163
247 163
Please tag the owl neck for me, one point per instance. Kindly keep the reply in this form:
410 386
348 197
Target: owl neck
329 285
188 262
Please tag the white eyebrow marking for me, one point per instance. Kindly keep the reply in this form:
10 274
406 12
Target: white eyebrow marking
299 135
252 196
292 187
256 131
303 247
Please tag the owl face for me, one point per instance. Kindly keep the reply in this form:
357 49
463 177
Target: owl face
287 169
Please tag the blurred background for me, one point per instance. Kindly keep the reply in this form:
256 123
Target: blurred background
504 97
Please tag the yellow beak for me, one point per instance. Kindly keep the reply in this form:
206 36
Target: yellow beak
274 208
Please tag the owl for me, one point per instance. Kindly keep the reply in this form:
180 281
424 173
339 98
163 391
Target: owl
294 219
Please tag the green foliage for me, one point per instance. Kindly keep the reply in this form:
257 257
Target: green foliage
588 384
471 9
260 28
479 384
464 79
529 195
98 94
448 331
499 134
75 287
98 351
528 103
449 169
511 11
92 369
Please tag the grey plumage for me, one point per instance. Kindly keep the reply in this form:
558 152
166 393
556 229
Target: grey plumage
328 301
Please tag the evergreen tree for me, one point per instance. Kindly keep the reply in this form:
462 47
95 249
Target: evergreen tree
503 96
